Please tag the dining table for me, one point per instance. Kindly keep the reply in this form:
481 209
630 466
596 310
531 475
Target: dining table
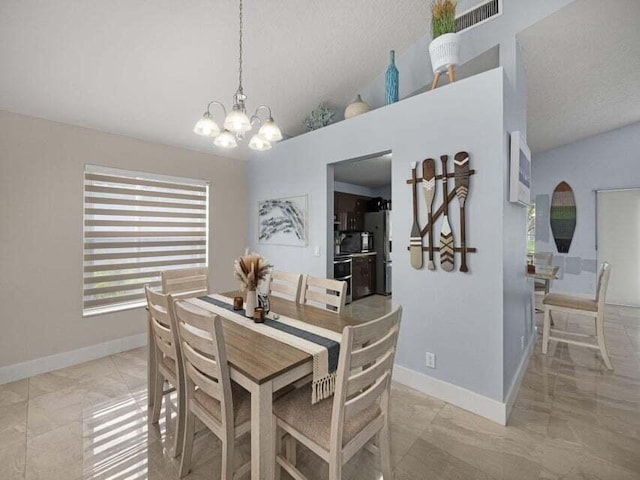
263 366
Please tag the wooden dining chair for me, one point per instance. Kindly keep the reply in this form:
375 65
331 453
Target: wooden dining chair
337 429
222 405
324 293
285 285
186 282
543 259
569 304
166 366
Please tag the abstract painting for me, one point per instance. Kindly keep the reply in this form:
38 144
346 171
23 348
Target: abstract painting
283 221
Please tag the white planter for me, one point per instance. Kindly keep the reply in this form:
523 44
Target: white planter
445 51
251 303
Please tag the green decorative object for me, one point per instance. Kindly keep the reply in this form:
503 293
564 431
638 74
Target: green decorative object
563 216
321 116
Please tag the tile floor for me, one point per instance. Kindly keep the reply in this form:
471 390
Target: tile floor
572 420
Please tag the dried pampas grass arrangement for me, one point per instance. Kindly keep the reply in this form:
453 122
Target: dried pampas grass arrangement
250 269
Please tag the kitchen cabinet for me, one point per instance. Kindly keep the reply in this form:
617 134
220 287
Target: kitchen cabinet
349 210
353 221
363 271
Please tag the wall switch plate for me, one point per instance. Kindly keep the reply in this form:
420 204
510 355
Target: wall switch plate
522 342
316 251
431 360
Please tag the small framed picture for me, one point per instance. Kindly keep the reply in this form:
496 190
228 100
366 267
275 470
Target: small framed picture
283 221
519 170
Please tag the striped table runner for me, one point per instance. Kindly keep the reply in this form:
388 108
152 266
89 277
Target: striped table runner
322 344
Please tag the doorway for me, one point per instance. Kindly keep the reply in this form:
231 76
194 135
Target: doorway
361 225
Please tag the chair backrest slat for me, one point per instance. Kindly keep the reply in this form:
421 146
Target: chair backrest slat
162 324
367 398
184 282
206 365
285 285
324 293
208 385
367 353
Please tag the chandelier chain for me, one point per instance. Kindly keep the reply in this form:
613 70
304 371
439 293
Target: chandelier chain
240 50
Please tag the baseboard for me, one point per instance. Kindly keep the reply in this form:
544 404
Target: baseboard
18 371
458 396
512 393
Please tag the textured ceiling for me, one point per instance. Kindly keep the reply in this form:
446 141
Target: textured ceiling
583 71
369 172
147 68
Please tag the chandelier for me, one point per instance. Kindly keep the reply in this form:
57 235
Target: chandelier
236 122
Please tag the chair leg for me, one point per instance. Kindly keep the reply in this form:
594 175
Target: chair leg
384 446
228 450
187 447
452 77
545 330
290 446
277 433
601 342
180 420
335 467
158 386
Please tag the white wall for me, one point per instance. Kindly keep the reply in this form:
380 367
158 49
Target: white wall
354 189
459 317
608 160
41 178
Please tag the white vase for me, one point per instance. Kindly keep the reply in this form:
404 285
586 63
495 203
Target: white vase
251 303
445 51
358 107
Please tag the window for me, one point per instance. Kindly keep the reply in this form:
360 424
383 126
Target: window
531 229
135 226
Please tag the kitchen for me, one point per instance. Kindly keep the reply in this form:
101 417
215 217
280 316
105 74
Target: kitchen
362 226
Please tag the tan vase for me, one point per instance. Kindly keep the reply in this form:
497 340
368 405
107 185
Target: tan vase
358 107
251 303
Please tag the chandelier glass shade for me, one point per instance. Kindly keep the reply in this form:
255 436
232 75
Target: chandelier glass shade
237 123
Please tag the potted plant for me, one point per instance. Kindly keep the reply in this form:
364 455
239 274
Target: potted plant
250 269
444 49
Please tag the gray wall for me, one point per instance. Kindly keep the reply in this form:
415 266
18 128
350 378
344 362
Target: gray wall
354 189
41 172
609 160
457 316
414 63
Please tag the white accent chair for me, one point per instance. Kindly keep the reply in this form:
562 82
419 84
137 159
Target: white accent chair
186 282
324 293
167 362
336 429
285 285
222 405
569 304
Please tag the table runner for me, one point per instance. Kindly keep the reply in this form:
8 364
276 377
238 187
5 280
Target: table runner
322 344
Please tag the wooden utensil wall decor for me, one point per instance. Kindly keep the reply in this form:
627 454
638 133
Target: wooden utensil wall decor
563 216
447 248
416 238
429 187
461 174
447 260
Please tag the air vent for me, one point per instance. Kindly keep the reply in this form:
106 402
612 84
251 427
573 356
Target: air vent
477 15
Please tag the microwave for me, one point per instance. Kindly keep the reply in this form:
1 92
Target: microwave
357 242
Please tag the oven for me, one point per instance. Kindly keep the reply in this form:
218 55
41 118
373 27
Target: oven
342 271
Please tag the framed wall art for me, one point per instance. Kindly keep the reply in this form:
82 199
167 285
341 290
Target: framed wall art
283 221
519 170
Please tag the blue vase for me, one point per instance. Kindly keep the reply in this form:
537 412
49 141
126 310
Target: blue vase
392 87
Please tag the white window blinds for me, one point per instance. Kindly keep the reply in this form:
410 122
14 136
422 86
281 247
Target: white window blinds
135 226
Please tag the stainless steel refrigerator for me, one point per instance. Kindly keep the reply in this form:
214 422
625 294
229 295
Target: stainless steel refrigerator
379 223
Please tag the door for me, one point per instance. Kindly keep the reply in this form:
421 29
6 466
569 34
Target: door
618 242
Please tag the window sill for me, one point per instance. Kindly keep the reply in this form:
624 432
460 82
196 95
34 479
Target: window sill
92 312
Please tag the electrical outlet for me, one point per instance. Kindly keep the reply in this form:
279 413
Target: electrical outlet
522 342
431 360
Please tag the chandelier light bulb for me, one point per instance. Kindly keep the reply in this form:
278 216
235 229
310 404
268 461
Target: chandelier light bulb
206 126
225 140
270 131
258 143
237 121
